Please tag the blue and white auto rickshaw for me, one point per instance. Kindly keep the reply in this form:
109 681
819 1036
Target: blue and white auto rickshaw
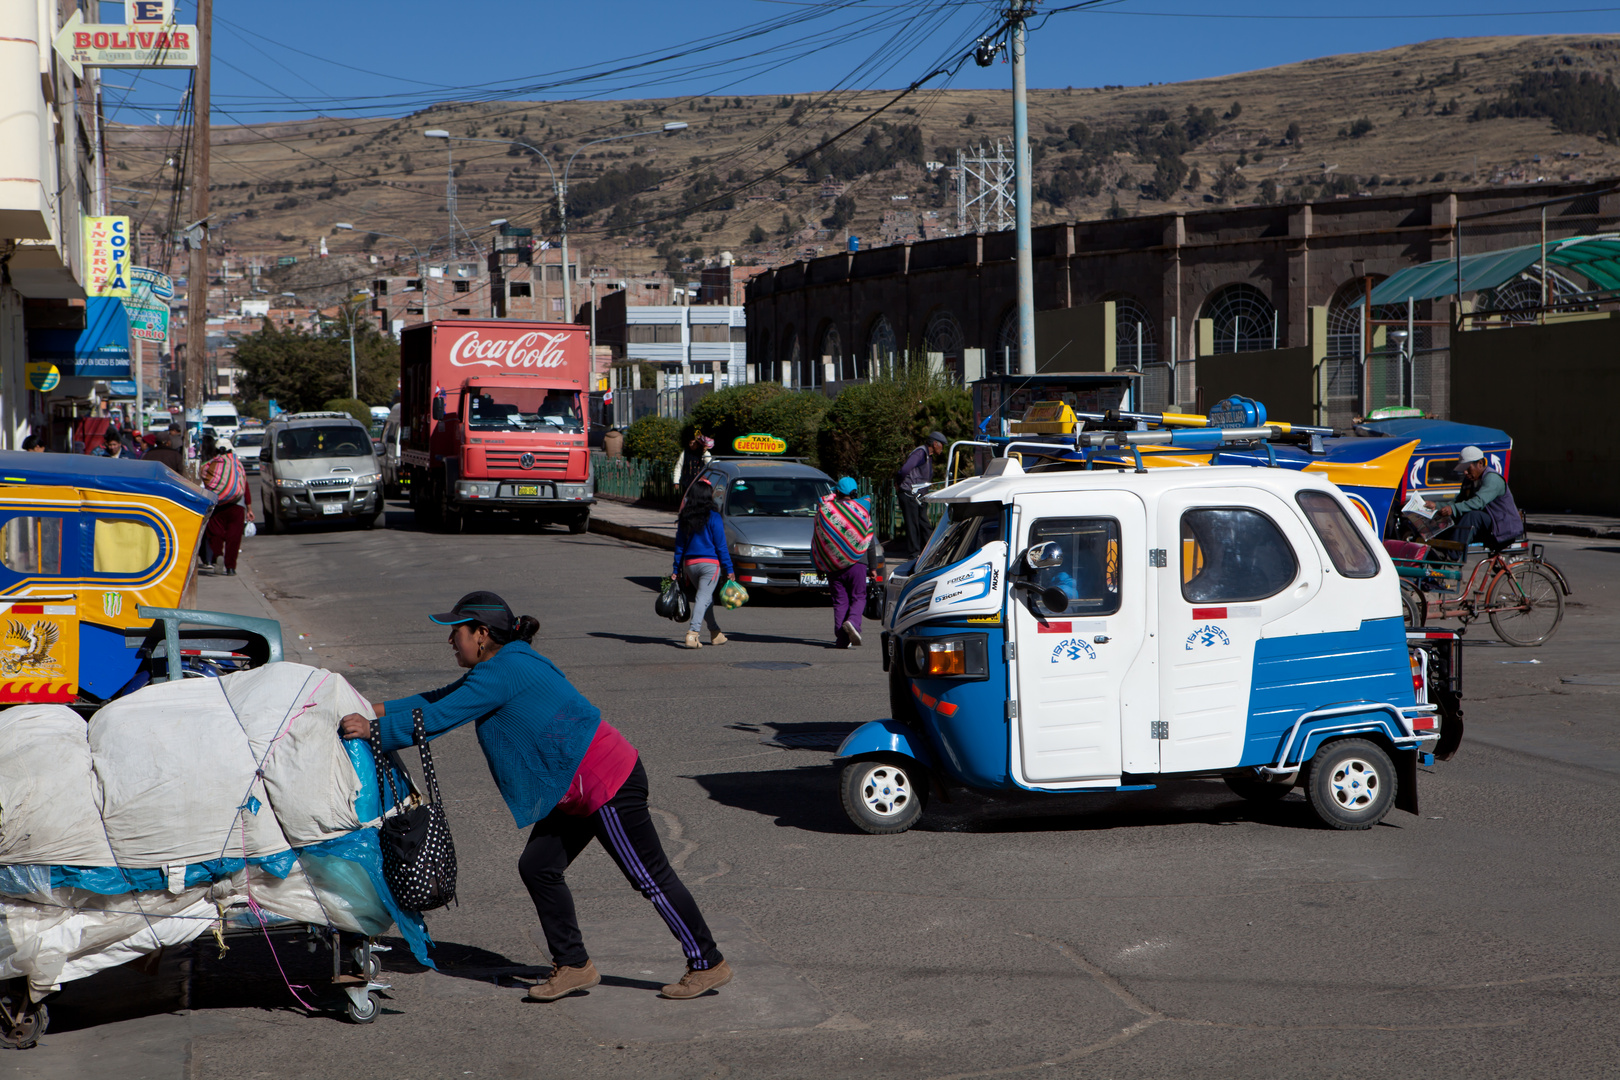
1080 630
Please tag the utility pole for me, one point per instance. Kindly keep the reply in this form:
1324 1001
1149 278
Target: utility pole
1026 265
197 272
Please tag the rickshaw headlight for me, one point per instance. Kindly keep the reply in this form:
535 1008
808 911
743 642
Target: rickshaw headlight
965 657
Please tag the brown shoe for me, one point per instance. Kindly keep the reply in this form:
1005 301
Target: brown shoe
692 641
696 983
564 980
717 638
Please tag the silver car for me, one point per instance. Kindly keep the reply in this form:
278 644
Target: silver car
769 508
319 466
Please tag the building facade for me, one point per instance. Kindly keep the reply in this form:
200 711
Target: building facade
1182 284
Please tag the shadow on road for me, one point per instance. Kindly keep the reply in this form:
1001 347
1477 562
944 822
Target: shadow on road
807 798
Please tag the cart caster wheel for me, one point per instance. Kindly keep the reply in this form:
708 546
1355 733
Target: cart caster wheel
29 1025
362 1007
367 963
883 798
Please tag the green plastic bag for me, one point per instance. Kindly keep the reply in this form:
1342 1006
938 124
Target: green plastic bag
733 595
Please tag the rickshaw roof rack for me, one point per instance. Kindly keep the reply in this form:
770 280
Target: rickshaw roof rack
1114 420
127 476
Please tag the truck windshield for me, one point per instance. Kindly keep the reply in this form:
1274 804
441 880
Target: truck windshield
335 440
523 408
965 528
775 496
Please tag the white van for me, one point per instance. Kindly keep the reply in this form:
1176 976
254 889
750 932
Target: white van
222 417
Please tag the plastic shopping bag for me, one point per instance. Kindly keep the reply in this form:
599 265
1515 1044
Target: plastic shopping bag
733 595
249 530
672 603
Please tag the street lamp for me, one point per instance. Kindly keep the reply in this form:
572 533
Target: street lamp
561 186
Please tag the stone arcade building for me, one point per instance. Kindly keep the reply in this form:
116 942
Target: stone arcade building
1183 285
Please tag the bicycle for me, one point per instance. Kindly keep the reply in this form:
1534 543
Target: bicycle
1513 585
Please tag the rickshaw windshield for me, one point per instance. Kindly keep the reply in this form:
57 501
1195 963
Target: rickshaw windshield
965 528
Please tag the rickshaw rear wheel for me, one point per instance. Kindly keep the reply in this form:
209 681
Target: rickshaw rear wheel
1247 785
1414 605
1351 784
883 796
30 1025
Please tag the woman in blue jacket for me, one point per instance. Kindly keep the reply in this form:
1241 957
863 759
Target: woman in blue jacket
700 554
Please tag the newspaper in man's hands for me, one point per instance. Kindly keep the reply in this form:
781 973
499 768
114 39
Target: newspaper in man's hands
1425 522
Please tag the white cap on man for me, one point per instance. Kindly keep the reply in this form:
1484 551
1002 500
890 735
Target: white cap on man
1470 454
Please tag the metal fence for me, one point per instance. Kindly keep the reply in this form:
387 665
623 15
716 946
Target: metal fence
637 479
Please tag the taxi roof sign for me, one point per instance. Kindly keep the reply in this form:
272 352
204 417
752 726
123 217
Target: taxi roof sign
759 443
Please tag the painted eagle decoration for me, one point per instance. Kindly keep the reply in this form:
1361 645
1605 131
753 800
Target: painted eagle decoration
35 644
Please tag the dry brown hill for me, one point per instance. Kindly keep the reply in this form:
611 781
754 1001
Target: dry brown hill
280 187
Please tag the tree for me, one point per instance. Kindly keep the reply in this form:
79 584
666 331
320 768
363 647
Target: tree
1292 134
1194 179
1168 173
1115 211
756 235
1268 191
303 370
843 212
786 226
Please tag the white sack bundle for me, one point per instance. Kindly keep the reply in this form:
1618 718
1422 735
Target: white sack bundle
310 780
49 804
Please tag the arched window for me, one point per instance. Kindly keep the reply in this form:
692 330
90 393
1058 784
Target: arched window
1136 339
1245 320
763 359
880 345
944 336
831 350
792 358
1005 359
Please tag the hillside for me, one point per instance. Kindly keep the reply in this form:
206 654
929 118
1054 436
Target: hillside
1447 113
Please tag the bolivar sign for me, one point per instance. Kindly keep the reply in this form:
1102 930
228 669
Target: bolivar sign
138 45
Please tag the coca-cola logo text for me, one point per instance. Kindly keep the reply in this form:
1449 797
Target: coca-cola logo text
530 350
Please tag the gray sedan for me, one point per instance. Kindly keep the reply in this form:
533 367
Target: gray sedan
769 507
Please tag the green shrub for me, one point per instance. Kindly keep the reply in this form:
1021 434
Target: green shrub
726 414
653 438
353 406
793 415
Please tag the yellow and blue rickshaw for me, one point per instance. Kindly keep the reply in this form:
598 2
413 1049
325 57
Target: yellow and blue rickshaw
97 571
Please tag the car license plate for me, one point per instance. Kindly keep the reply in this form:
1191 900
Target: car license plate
528 489
331 508
812 579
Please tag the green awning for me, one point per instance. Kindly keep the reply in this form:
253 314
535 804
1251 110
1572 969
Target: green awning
1596 258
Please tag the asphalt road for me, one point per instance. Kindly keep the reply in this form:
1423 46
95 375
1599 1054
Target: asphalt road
1178 932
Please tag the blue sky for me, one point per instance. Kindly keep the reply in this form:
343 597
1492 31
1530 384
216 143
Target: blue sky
301 58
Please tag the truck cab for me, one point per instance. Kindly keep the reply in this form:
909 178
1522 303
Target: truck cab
492 420
1070 630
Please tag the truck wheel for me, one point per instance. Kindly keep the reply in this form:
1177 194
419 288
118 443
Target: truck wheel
1351 784
1248 785
580 523
883 798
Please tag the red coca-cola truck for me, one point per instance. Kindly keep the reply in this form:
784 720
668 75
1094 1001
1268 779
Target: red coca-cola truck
492 418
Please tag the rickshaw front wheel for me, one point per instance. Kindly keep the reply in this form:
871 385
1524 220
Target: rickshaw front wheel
883 797
1351 784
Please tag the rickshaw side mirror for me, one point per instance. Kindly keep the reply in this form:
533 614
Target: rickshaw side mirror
1042 556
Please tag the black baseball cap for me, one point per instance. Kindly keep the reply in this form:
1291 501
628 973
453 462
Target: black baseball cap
484 607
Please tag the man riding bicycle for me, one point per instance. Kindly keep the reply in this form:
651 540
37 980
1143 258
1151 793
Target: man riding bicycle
1484 507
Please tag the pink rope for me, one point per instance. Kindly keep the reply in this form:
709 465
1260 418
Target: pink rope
253 906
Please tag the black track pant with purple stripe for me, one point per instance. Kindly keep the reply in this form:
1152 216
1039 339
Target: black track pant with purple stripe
625 828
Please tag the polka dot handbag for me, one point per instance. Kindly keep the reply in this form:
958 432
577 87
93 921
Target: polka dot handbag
418 856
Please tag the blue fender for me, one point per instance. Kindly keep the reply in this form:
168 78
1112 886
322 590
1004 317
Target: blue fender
885 737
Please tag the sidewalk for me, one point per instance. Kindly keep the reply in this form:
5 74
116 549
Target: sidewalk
1602 528
656 528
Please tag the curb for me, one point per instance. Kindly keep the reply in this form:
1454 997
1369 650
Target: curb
1561 529
632 533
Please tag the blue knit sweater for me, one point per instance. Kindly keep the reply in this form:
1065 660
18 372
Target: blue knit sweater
710 543
533 726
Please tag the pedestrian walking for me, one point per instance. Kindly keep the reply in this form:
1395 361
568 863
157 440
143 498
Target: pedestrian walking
911 483
223 475
168 451
689 466
562 769
700 556
838 546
